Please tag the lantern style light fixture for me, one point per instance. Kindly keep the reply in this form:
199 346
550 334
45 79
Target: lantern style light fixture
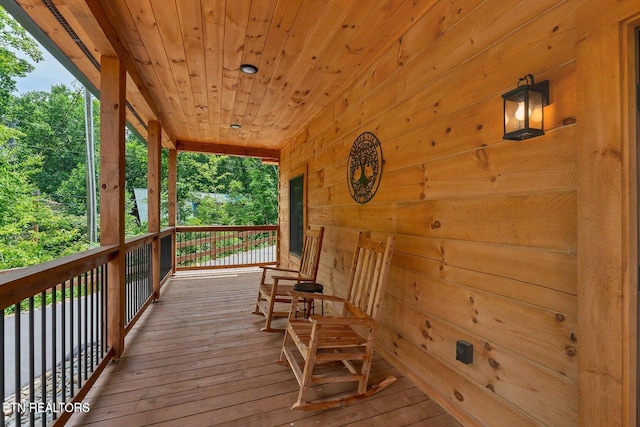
524 109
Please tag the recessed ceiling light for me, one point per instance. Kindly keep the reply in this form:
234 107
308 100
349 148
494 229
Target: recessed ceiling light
235 126
248 68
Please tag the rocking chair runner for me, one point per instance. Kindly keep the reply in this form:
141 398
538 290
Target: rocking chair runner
277 281
347 338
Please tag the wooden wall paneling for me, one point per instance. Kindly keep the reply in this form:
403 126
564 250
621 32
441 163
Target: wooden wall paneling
499 169
428 83
498 48
544 336
507 168
417 40
549 397
472 405
497 232
506 286
543 220
440 136
555 270
469 128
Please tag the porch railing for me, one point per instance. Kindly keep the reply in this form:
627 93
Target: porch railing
54 327
138 276
53 335
226 246
55 323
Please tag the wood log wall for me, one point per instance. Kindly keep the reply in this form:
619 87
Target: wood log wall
486 229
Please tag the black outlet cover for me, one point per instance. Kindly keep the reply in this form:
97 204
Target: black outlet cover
464 352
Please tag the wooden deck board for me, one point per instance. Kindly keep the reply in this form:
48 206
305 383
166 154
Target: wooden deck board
197 358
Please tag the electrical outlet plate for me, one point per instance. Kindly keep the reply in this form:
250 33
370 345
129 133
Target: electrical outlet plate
464 352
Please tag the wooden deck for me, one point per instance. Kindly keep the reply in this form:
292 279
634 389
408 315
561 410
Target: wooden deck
197 358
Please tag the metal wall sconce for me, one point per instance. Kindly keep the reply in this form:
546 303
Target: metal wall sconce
524 109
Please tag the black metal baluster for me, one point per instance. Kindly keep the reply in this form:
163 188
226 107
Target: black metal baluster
79 331
71 342
104 308
43 353
92 317
17 398
137 279
54 348
86 352
63 341
32 364
2 362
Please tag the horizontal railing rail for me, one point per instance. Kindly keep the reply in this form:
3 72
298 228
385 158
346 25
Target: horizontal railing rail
226 246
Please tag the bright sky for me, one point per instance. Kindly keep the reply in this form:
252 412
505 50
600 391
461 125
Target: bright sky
46 74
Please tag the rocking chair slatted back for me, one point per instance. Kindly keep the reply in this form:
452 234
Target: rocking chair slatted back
311 254
273 300
366 283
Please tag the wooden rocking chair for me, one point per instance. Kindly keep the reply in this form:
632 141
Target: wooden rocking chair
277 281
347 338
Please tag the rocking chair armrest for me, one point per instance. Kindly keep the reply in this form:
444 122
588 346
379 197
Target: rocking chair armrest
303 295
346 321
293 278
287 270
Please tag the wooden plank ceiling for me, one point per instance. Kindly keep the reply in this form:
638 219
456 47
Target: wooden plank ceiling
183 59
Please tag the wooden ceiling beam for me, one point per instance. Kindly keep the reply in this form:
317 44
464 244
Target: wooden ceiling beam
266 154
111 33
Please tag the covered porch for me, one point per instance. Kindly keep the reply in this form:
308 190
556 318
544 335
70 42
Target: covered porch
196 357
528 250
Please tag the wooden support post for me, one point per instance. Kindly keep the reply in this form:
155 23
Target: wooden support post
607 213
154 148
173 199
112 191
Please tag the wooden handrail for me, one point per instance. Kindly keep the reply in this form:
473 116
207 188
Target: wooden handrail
138 241
166 231
196 228
22 283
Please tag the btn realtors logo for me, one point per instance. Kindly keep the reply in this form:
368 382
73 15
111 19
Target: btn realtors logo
364 167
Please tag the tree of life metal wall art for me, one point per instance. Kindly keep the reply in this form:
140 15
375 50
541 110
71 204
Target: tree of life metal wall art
364 167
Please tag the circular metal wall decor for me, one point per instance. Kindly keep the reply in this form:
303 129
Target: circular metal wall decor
364 167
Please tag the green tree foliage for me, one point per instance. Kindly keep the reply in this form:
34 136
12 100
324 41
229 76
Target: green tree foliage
53 125
32 229
14 38
251 187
